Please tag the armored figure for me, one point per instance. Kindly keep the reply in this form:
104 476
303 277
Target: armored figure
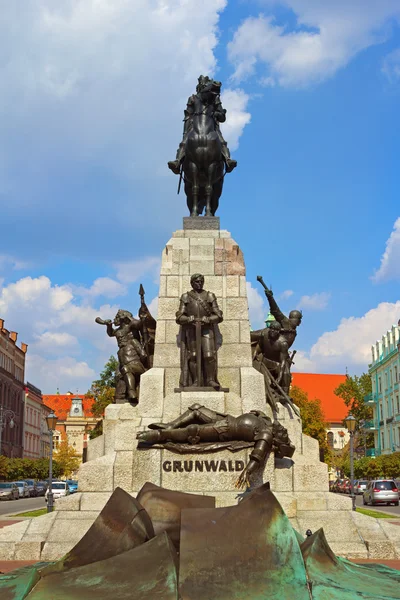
200 424
133 360
289 324
219 114
271 358
198 314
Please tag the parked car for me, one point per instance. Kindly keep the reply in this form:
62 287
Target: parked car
381 491
8 491
335 486
59 489
23 489
41 487
31 483
360 486
73 485
342 486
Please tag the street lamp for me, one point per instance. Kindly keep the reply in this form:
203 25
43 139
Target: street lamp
51 420
6 415
351 423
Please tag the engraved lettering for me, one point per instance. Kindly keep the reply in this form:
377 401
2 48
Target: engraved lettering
222 466
239 465
188 465
230 466
199 465
177 466
211 465
167 466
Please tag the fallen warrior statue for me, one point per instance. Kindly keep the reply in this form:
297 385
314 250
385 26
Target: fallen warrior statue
200 425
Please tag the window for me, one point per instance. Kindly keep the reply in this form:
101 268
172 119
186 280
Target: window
330 439
380 384
391 377
383 439
386 381
396 375
397 404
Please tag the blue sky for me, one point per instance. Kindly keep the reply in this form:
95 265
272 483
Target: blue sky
91 111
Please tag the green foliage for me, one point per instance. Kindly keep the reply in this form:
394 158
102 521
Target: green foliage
15 469
107 376
96 431
67 459
373 513
103 389
386 465
352 391
32 513
312 417
3 467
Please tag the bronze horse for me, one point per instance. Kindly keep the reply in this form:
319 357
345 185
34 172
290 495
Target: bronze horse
203 165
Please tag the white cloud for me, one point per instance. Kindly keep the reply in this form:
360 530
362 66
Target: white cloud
303 363
350 344
54 341
391 66
153 307
286 294
53 322
317 301
326 37
63 373
235 102
133 270
257 310
103 286
102 84
390 261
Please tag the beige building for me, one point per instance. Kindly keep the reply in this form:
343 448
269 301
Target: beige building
12 374
74 420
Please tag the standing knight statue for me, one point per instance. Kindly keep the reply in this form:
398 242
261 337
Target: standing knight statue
203 152
198 315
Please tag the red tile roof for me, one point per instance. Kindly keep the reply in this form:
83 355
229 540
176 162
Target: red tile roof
61 404
321 386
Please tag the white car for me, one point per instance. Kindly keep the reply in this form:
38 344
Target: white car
59 489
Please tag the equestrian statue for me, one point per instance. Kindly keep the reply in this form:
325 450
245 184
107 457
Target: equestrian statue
203 156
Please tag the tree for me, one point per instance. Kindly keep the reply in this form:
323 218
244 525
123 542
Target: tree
352 391
4 468
312 417
103 389
67 459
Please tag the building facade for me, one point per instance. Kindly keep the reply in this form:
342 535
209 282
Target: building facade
32 421
385 397
44 432
74 420
12 374
322 386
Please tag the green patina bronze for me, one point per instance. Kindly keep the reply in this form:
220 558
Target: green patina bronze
248 551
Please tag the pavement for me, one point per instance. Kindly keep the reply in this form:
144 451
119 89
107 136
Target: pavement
9 507
391 510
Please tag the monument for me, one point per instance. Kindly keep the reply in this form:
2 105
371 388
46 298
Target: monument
203 405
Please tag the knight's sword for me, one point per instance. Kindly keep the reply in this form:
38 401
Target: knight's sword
198 351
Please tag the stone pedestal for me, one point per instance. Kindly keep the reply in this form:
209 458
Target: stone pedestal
301 484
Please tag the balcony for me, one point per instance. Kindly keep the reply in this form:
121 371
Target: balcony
370 452
370 426
369 399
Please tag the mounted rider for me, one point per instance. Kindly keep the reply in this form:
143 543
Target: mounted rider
219 114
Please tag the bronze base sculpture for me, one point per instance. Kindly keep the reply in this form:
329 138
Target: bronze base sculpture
248 551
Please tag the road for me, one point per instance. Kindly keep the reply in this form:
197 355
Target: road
394 510
21 505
